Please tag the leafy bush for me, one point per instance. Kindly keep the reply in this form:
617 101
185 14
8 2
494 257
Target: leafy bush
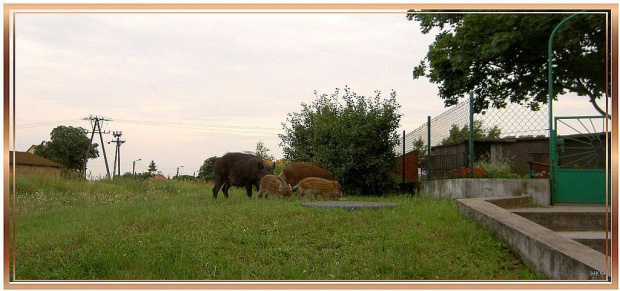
355 141
487 169
463 172
497 169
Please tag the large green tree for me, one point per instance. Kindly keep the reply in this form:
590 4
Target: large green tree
263 152
353 136
207 171
502 56
152 167
67 146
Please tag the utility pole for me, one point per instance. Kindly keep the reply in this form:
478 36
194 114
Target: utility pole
134 166
96 121
178 171
119 142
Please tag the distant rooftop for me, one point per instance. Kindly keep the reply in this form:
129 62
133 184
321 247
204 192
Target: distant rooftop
28 159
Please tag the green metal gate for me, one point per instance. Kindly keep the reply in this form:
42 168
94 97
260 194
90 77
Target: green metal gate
580 160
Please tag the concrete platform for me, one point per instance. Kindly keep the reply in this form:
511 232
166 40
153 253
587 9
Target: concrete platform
547 252
352 205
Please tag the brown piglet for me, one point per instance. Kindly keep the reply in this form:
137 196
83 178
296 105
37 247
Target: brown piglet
314 186
271 184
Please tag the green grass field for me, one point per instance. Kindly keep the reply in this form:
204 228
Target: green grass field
171 230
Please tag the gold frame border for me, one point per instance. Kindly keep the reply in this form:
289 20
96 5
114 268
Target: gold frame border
9 221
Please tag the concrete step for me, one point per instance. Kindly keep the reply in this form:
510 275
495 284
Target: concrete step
568 218
593 239
543 250
511 202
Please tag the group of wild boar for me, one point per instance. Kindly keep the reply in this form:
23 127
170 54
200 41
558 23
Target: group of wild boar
246 170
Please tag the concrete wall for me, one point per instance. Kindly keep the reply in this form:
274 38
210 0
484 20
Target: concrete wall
538 189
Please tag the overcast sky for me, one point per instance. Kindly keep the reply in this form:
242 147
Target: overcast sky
183 87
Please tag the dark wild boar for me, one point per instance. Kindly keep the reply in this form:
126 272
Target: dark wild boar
294 172
313 186
271 184
239 170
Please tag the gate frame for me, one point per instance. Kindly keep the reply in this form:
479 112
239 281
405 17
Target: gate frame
554 157
552 131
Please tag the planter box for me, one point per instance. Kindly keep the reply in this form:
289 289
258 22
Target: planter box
538 189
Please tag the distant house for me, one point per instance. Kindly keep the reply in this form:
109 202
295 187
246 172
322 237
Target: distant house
27 163
157 176
32 148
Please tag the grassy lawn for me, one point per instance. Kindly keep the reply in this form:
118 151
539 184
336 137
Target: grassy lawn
171 230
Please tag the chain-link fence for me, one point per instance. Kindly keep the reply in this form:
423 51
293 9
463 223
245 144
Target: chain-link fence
440 128
514 135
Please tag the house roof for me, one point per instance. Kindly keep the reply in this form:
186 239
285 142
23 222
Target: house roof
28 159
32 148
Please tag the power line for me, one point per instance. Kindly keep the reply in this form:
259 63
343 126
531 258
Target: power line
206 127
45 123
198 126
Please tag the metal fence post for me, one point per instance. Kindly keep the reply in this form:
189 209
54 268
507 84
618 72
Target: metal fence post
403 157
552 133
471 134
428 157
